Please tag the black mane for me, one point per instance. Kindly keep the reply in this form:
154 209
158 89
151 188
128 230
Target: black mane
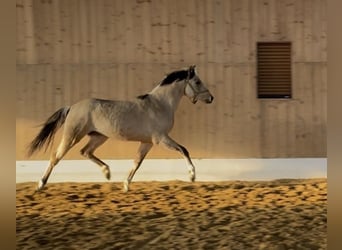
142 97
175 77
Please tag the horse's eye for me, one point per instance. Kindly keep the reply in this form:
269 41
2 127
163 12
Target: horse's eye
198 83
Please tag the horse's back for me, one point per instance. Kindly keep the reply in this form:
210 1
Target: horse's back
108 117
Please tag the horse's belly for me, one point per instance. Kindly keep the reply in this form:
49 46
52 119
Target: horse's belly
129 128
128 134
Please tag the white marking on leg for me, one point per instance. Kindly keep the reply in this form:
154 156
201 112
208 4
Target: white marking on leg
40 185
192 172
126 186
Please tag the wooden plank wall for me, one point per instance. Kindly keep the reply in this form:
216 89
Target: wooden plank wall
71 49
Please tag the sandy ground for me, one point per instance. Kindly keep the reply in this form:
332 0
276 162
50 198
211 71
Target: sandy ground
280 214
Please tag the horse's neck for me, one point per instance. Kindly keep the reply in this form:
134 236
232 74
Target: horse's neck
169 95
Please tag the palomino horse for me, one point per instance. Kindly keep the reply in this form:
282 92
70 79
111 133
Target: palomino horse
147 119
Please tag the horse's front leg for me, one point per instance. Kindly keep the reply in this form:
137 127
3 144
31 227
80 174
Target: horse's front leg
171 144
144 148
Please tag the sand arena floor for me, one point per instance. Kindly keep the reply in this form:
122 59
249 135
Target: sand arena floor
280 214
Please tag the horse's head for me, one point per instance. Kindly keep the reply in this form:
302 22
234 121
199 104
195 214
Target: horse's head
195 88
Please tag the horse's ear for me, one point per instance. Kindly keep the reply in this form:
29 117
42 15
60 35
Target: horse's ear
192 71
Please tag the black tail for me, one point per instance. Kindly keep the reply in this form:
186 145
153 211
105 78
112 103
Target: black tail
47 133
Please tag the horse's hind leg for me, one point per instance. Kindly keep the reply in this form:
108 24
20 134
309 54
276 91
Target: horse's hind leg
64 146
96 140
171 144
144 148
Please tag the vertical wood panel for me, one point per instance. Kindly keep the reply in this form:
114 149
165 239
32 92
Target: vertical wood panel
147 32
40 39
218 31
165 35
209 115
273 20
210 36
303 111
21 95
75 31
263 20
29 32
138 28
254 23
67 32
226 102
102 30
83 28
20 30
56 30
252 115
299 32
179 24
323 29
308 28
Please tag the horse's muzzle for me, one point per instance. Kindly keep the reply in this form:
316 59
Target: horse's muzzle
210 99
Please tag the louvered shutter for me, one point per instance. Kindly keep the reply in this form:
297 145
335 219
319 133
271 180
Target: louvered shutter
274 69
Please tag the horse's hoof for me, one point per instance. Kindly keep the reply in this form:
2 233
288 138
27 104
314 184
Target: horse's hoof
106 172
126 186
40 186
192 176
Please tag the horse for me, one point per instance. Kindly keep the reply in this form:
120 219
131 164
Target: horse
147 119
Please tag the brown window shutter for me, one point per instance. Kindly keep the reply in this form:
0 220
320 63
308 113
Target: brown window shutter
274 69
